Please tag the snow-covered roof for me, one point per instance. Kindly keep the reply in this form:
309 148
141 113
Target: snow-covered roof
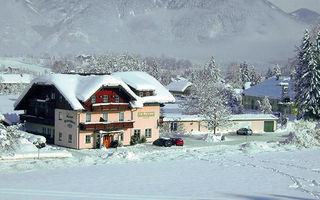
245 117
76 88
143 81
181 118
178 86
170 117
16 78
270 87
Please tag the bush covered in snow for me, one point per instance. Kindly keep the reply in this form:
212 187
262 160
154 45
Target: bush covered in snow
303 134
8 138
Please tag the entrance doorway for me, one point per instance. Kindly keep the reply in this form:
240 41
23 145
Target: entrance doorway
107 139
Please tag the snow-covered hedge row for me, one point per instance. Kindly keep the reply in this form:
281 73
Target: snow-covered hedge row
12 139
303 134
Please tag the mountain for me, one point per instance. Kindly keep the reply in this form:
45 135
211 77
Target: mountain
306 16
194 29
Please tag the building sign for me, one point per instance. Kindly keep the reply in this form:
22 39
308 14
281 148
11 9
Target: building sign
69 121
146 114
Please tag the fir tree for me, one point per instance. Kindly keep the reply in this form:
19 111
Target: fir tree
308 81
265 106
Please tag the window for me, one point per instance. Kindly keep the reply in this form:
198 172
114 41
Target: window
93 99
131 115
141 94
60 98
60 116
121 116
70 138
148 133
44 131
88 117
105 116
147 93
105 98
60 136
137 133
173 126
88 139
116 99
53 95
121 136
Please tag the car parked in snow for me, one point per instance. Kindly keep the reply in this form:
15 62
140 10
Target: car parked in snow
244 131
177 141
165 142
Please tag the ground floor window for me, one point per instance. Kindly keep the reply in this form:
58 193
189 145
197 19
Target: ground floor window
88 139
70 138
148 133
173 126
137 133
60 136
121 136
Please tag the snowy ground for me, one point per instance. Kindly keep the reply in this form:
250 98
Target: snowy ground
254 167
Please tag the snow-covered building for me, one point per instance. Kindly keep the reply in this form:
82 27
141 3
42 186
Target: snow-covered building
193 123
95 110
279 91
14 83
179 87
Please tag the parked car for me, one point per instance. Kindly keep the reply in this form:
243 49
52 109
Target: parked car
177 141
244 131
166 142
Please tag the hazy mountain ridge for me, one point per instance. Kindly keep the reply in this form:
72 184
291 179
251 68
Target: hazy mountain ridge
306 16
169 27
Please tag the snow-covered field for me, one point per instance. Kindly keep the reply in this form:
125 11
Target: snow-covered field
17 62
254 167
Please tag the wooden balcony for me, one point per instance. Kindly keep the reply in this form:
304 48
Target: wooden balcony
110 107
36 119
106 126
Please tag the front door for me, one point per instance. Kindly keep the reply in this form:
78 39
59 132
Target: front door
107 140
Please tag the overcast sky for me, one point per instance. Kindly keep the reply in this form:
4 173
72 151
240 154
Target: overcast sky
292 5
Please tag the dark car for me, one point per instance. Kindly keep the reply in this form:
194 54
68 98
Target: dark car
177 141
244 131
165 142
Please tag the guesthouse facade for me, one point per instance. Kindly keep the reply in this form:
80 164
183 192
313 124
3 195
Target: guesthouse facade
93 111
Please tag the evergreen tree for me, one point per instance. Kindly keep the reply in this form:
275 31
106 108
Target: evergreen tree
154 71
244 72
265 106
308 81
269 73
277 71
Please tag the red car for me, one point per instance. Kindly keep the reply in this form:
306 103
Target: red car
177 141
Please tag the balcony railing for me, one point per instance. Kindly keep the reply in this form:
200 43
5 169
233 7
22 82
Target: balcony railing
107 126
36 119
110 106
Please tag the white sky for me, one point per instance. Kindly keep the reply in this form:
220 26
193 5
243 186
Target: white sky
292 5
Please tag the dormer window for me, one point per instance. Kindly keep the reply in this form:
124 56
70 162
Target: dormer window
140 94
105 98
93 99
116 99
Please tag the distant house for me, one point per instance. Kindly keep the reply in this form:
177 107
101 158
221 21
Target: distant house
14 83
278 90
93 111
179 87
